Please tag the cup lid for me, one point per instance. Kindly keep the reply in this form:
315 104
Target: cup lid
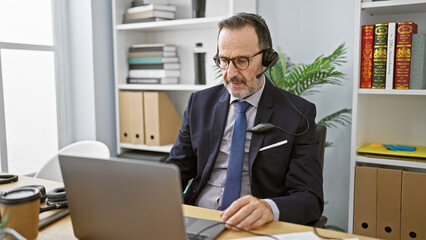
19 196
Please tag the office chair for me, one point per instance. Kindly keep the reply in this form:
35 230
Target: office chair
52 171
321 131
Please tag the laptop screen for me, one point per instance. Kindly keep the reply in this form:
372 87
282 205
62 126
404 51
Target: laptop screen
123 199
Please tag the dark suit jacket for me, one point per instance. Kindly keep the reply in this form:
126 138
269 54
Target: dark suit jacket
290 174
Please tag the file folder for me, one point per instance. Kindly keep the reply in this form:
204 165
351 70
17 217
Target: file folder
413 212
132 127
365 202
389 203
162 122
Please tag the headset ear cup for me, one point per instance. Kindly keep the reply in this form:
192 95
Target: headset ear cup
266 57
57 194
274 58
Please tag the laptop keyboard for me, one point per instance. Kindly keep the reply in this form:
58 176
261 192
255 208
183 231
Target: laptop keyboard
191 236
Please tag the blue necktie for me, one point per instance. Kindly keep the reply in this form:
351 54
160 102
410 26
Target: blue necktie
236 157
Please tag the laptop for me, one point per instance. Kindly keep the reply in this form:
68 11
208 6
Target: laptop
128 199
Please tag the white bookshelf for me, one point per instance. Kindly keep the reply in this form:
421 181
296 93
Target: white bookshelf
179 24
184 32
385 116
164 148
163 87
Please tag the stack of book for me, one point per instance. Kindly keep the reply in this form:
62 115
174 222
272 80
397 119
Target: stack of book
140 12
393 56
153 64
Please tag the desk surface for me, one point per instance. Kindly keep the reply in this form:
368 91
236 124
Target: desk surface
62 229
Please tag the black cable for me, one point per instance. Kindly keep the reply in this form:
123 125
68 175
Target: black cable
294 107
241 229
322 236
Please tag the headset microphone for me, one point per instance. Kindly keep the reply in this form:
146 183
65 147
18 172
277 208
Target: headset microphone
260 74
261 128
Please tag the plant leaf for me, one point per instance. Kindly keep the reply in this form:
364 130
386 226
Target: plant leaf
341 117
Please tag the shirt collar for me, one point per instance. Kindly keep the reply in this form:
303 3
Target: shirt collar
253 99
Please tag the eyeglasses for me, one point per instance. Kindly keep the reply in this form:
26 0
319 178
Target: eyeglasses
239 62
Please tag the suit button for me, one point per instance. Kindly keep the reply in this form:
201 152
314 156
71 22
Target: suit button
194 191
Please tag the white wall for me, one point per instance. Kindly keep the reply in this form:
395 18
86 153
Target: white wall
305 29
92 75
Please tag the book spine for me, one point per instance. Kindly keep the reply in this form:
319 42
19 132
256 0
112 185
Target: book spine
171 80
380 55
136 73
146 66
390 60
171 66
144 80
152 54
145 60
418 62
404 32
153 49
367 46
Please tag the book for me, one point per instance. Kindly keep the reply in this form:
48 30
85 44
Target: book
167 80
390 59
169 8
136 3
153 73
152 60
418 62
404 32
150 14
155 66
153 54
152 47
141 20
367 47
379 55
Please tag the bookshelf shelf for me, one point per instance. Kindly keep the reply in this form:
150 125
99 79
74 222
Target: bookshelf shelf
179 24
392 162
164 148
393 92
394 7
163 87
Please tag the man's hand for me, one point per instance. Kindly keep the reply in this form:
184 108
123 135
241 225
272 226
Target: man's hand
247 212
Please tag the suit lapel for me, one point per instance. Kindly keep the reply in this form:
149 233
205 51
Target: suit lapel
220 114
264 113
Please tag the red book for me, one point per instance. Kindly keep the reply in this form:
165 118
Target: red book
367 46
404 32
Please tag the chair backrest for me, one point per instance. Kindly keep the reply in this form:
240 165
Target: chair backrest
52 171
321 136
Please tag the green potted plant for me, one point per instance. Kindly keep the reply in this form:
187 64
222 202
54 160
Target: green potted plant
305 79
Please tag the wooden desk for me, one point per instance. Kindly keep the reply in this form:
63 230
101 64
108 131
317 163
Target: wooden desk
62 229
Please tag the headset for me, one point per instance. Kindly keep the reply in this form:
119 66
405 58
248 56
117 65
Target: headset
269 55
8 178
269 59
56 198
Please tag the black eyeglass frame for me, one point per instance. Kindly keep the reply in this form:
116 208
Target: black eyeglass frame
216 58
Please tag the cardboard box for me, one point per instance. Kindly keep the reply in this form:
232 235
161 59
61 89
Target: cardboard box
365 203
413 211
162 122
132 124
389 203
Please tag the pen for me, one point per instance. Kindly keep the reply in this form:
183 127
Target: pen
273 145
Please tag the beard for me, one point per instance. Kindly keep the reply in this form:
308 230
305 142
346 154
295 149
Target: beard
242 91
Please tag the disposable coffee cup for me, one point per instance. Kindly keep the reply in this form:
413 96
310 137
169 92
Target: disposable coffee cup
20 209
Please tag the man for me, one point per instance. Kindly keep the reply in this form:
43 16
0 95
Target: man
273 183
